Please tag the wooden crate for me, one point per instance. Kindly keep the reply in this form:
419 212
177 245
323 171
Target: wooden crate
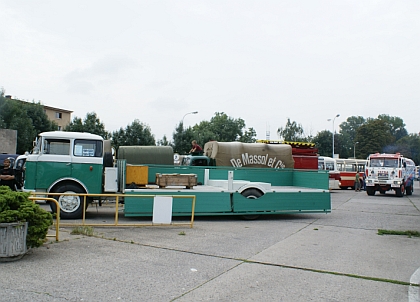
187 180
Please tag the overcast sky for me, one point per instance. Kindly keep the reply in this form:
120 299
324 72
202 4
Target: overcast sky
262 61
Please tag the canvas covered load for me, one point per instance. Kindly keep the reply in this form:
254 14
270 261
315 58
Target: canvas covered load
258 155
141 155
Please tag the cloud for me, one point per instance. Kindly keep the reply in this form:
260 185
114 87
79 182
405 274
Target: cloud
86 79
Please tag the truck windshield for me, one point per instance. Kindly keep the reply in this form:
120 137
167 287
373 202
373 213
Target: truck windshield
384 162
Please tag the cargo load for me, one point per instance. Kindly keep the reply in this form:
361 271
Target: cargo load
258 155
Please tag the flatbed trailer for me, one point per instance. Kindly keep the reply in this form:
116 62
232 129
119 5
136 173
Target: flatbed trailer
224 192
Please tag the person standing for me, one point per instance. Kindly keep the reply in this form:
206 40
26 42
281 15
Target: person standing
7 175
357 182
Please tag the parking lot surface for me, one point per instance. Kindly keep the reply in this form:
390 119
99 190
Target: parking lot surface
302 257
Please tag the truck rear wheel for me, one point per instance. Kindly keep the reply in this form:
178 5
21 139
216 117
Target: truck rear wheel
400 191
409 190
252 194
70 206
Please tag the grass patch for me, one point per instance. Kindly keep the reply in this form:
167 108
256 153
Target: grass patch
82 230
182 233
404 233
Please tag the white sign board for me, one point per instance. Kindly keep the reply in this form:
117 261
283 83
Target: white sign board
162 209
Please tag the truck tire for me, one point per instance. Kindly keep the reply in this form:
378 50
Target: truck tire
370 191
252 194
400 191
409 190
108 160
70 206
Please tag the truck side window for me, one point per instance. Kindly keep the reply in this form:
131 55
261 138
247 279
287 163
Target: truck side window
57 146
87 148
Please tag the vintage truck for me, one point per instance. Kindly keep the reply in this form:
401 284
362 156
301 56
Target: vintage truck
385 172
81 163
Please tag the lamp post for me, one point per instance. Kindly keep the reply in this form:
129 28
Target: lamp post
333 132
194 112
354 150
182 133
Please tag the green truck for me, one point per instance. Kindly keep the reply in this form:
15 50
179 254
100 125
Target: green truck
80 163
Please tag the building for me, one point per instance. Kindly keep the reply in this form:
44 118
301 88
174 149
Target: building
61 117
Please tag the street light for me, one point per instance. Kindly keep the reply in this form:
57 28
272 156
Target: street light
354 150
182 133
194 112
333 133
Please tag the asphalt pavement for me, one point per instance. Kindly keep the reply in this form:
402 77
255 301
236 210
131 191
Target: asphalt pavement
302 257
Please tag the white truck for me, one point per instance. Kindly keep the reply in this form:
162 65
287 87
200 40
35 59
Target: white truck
385 172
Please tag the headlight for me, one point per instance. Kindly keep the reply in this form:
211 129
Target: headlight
397 182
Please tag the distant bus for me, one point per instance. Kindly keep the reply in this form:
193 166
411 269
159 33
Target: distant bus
329 164
348 169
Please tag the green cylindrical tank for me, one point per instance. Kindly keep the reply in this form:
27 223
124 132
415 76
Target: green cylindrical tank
140 155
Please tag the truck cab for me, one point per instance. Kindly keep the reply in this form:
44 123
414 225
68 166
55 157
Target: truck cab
197 160
66 162
385 172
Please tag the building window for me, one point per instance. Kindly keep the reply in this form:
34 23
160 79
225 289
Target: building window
58 115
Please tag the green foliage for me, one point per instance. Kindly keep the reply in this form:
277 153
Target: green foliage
220 128
323 141
82 230
136 134
91 124
292 132
374 136
395 124
16 207
408 233
29 119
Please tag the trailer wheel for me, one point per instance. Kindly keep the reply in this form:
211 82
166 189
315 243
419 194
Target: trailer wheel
251 194
400 191
70 206
370 191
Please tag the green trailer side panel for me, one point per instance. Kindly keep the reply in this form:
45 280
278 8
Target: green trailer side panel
311 179
284 202
206 203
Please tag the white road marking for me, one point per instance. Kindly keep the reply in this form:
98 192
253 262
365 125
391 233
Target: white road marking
414 291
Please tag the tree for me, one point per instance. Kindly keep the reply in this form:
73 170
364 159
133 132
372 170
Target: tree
220 128
91 124
396 126
136 134
409 146
29 119
374 136
347 135
323 141
292 132
163 142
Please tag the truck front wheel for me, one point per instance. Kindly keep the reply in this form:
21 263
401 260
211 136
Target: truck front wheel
400 191
70 206
370 191
252 194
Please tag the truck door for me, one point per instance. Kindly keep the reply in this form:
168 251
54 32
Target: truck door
53 162
87 163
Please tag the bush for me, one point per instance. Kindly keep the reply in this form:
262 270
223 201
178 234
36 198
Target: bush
16 207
